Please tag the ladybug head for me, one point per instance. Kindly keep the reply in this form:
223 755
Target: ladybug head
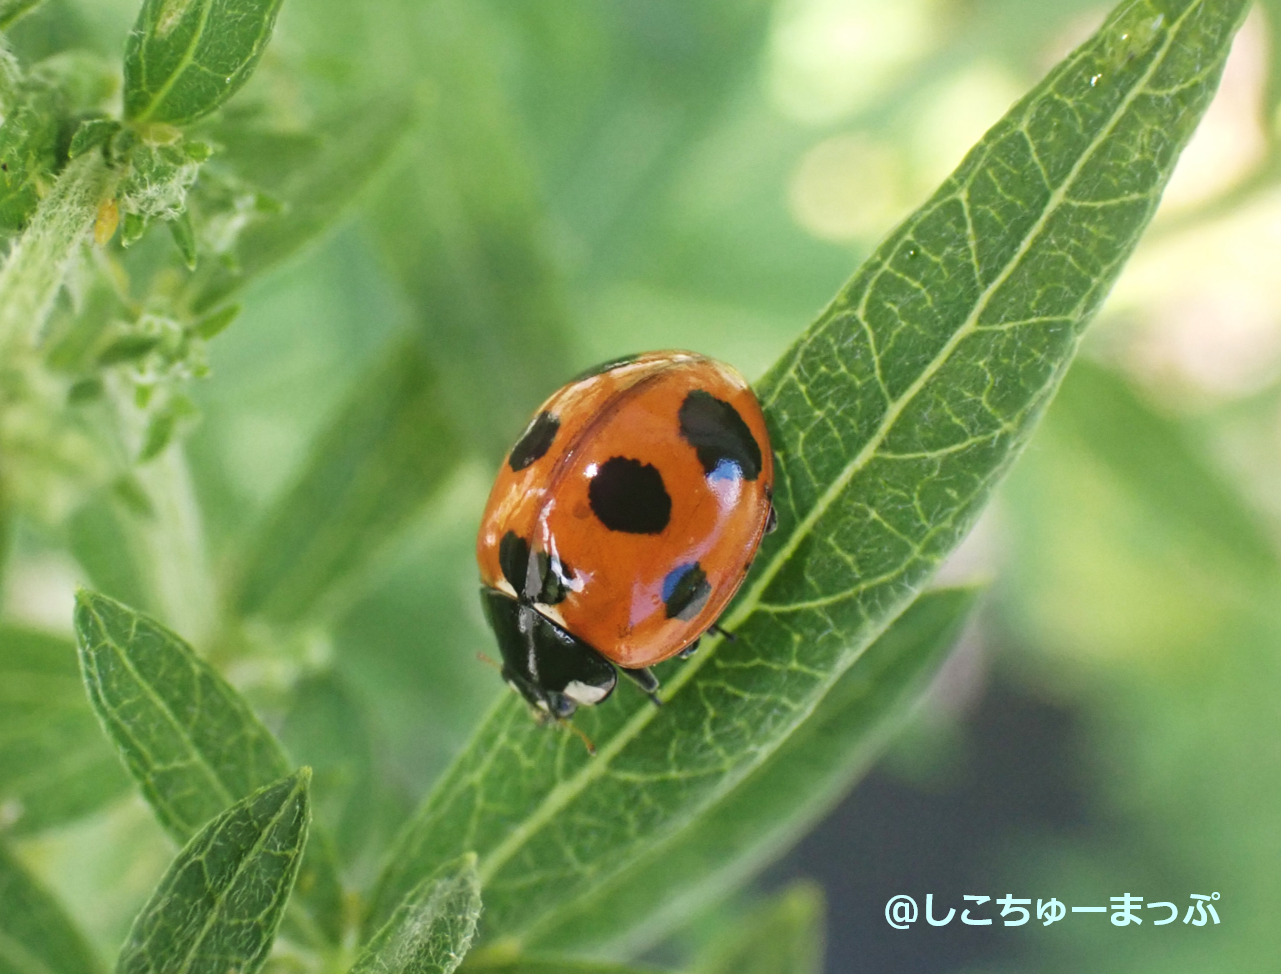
554 671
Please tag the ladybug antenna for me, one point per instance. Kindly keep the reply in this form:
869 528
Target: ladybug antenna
488 662
587 741
724 633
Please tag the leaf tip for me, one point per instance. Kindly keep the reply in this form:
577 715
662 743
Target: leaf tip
82 618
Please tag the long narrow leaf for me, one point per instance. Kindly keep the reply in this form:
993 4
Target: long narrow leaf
893 417
36 935
337 165
54 764
386 453
463 233
779 802
782 936
1155 458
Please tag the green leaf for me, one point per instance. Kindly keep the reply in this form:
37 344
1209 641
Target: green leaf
93 133
463 232
778 803
12 10
782 936
186 57
1272 90
128 348
216 322
1155 458
104 539
314 187
177 412
327 728
892 417
386 453
218 906
36 935
432 929
184 238
556 965
189 740
54 765
32 110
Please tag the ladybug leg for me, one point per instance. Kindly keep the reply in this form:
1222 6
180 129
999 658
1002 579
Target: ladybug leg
646 680
771 520
716 630
689 650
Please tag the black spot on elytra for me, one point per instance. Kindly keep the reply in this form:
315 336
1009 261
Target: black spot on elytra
613 363
685 591
513 558
719 436
629 496
535 441
550 576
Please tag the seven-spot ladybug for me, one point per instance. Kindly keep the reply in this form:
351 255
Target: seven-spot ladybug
622 522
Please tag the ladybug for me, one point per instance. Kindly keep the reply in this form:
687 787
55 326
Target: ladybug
622 522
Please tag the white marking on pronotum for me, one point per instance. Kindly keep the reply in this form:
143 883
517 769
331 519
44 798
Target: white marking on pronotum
584 694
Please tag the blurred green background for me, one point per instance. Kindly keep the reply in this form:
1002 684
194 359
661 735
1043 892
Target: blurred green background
588 178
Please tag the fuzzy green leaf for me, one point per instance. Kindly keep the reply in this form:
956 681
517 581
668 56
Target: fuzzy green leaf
54 764
93 133
189 740
156 184
433 927
186 57
325 176
218 906
32 113
782 936
387 452
893 417
36 936
779 802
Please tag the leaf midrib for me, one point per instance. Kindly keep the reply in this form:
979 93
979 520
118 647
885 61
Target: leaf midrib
560 796
188 57
225 795
250 856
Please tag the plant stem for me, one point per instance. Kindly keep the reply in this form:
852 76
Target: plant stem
34 272
170 543
177 561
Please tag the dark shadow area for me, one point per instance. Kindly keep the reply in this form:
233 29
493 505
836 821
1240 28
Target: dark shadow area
889 836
